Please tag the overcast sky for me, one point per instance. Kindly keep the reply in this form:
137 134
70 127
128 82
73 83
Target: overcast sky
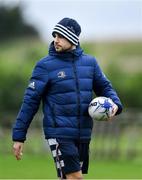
99 19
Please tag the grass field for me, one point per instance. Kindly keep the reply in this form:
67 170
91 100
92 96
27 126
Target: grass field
42 167
38 164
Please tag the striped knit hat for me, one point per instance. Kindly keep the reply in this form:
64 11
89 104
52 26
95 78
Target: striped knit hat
69 28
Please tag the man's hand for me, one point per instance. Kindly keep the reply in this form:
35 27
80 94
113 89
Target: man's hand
18 150
114 110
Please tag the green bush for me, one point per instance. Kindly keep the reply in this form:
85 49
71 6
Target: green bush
17 61
18 57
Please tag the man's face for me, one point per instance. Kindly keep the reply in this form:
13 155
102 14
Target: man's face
62 44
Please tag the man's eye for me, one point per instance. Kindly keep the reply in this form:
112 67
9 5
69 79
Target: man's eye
57 35
60 36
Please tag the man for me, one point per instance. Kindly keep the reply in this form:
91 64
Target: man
64 81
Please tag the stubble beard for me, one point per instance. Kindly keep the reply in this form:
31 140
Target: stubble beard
61 49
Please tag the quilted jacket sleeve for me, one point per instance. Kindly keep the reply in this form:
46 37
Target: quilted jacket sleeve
103 87
32 97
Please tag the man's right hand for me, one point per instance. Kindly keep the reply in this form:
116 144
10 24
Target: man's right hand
18 150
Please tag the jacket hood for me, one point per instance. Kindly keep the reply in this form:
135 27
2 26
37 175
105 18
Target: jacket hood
74 53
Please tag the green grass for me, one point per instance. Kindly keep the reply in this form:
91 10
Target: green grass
42 167
38 164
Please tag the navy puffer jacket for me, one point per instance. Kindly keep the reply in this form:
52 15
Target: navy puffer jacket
65 83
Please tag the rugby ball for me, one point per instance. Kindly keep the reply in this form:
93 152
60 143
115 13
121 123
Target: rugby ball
100 108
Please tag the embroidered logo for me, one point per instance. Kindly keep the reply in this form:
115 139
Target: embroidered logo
32 85
61 74
71 28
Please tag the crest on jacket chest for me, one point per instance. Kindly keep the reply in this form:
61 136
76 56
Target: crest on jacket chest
61 74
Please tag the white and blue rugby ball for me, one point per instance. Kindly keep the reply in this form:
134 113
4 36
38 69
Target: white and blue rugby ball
100 108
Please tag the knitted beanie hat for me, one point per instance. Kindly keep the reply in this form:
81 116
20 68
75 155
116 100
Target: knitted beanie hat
69 28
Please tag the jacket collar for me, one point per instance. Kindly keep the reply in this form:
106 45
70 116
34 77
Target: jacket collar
70 54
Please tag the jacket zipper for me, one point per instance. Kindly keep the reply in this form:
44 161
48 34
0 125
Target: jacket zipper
78 94
53 115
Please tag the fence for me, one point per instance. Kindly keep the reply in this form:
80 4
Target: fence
118 139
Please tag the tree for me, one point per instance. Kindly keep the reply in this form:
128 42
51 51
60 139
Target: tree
13 25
